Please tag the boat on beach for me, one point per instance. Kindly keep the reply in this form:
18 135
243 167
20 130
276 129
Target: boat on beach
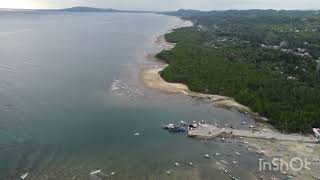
178 129
175 128
95 172
169 126
316 132
23 176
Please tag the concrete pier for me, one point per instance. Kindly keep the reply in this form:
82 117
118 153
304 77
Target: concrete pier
206 131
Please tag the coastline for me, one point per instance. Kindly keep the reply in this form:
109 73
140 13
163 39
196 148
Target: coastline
268 149
151 78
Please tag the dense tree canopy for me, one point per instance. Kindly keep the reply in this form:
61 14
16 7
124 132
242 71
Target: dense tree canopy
266 61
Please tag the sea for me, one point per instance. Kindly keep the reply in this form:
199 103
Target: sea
72 105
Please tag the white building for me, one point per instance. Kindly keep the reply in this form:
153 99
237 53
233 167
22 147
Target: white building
283 44
316 132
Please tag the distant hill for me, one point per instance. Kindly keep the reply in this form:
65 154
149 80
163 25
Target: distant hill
86 9
76 9
241 13
184 13
91 9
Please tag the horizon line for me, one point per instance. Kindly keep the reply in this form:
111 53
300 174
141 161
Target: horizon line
104 8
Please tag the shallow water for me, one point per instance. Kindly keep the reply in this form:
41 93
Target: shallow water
71 102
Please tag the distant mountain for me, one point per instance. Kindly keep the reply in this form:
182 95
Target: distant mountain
86 9
91 9
240 13
77 9
184 13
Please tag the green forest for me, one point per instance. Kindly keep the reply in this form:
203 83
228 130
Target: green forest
266 60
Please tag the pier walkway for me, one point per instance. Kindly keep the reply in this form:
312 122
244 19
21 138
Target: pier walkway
206 131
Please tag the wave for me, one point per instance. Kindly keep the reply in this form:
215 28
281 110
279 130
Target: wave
121 88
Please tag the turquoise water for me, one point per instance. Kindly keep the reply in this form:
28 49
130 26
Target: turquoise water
71 102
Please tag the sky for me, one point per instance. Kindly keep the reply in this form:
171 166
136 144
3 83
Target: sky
164 5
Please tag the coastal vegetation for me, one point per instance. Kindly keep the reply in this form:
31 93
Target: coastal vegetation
267 60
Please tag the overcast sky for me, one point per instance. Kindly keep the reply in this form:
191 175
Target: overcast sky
166 4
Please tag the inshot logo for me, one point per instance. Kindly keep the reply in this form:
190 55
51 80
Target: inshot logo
295 164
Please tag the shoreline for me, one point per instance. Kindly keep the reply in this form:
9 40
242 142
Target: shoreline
150 77
269 149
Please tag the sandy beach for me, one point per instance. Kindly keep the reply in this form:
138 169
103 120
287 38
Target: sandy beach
151 78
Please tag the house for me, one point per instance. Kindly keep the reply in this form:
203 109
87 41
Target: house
307 54
301 50
283 44
263 46
291 78
316 132
276 47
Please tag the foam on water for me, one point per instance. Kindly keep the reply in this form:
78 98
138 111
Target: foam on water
121 88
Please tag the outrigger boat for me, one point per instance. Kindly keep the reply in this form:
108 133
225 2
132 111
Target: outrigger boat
169 126
23 176
173 128
95 172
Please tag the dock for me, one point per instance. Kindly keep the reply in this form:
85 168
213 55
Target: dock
206 131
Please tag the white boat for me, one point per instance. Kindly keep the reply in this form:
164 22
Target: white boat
169 172
183 123
23 176
224 162
234 162
191 164
316 178
169 126
232 177
95 172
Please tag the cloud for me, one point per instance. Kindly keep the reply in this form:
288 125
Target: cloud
249 4
166 4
